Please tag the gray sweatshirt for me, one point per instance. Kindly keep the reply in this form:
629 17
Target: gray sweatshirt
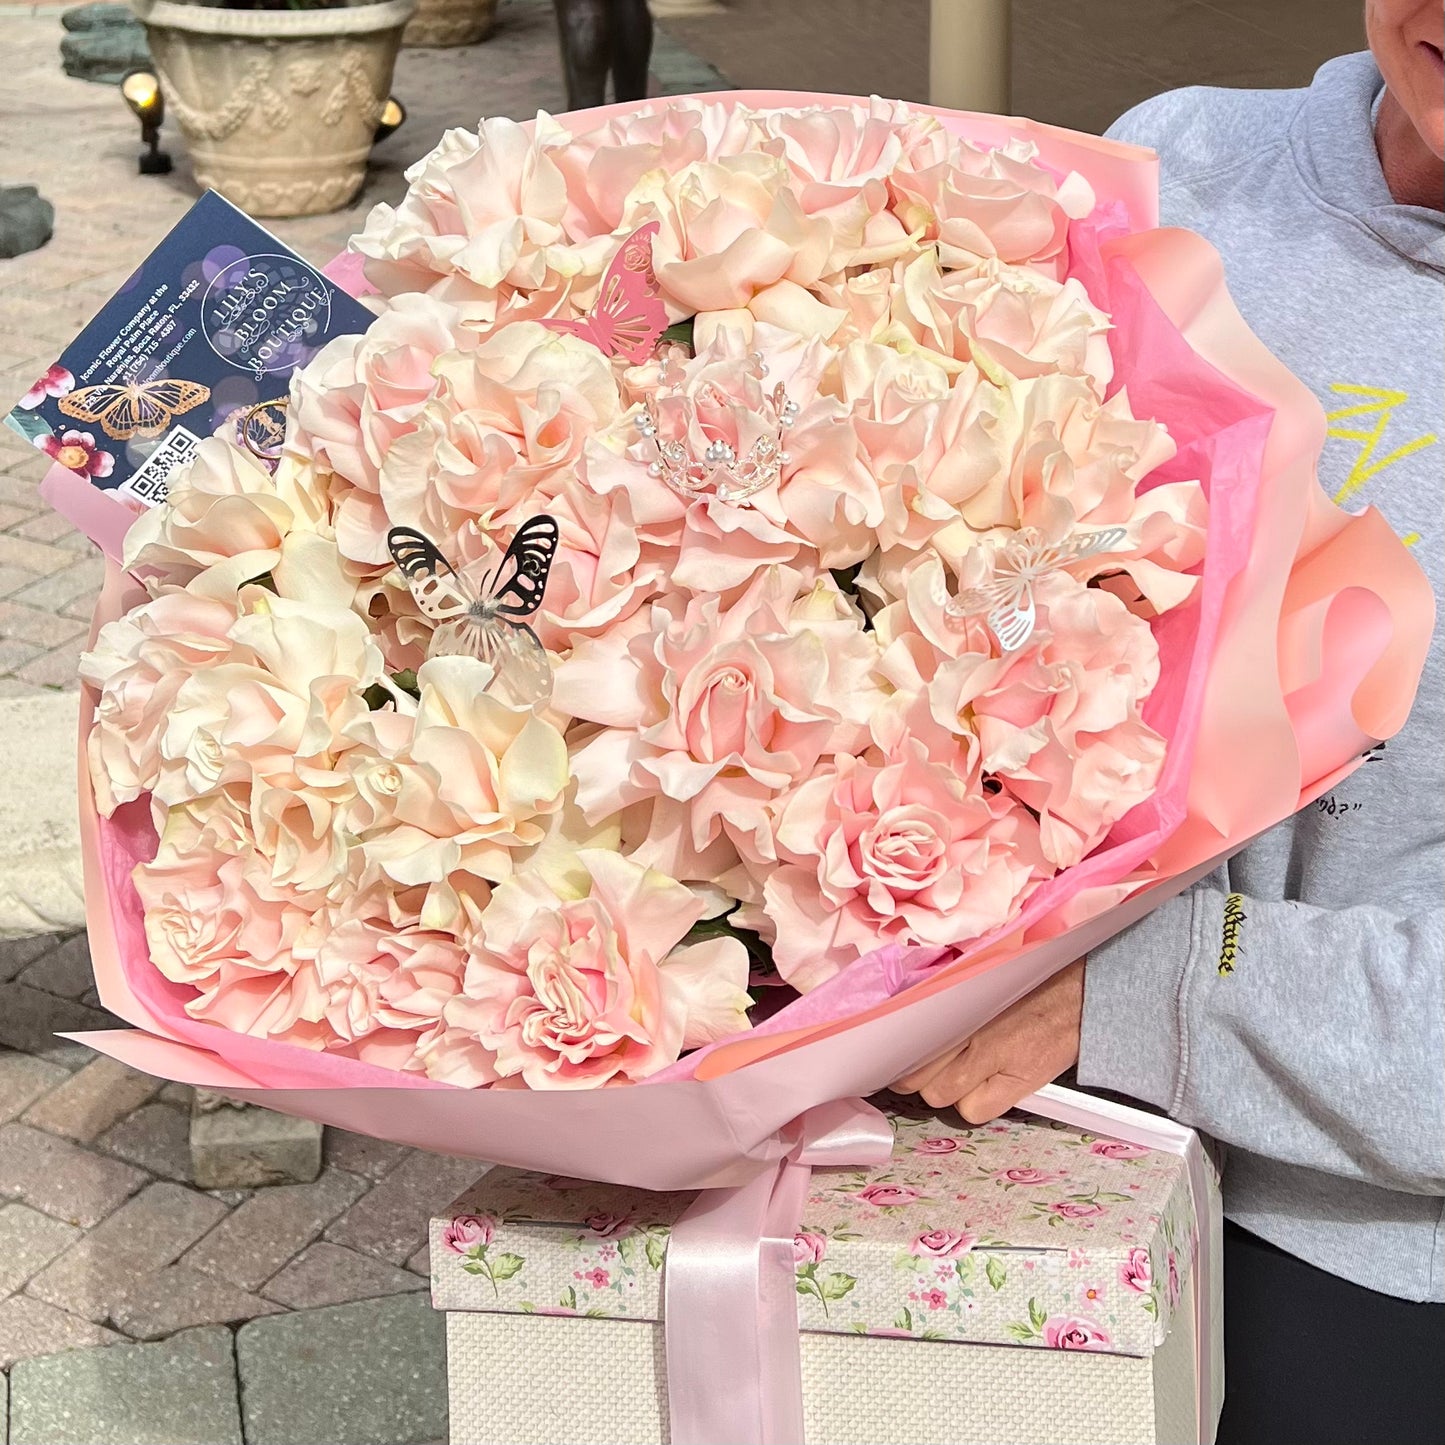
1293 1005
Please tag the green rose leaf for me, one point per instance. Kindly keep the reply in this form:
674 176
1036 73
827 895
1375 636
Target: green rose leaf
835 1286
679 333
1017 1330
504 1266
627 1248
995 1271
904 1321
1037 1315
656 1250
569 1298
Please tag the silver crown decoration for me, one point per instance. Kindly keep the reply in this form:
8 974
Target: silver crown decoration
720 473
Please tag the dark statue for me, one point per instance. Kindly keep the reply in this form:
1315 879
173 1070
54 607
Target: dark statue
602 38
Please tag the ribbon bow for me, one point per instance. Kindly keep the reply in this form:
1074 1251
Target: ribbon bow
730 1303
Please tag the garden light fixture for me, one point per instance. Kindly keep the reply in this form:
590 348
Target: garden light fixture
142 92
393 117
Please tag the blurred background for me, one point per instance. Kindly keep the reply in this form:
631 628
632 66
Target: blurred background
1077 63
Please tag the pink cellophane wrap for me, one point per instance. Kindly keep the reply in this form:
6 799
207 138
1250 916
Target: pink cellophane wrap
1303 648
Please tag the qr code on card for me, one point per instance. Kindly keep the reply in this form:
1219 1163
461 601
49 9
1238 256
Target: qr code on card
149 483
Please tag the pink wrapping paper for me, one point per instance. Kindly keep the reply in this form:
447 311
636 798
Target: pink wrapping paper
1303 648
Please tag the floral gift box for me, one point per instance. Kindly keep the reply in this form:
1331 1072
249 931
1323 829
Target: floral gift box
1059 1260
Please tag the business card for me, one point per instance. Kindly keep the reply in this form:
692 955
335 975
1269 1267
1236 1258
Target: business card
205 335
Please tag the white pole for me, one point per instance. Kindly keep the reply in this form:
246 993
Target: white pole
968 55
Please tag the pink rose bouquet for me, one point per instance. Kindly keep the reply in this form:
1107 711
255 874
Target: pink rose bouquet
858 537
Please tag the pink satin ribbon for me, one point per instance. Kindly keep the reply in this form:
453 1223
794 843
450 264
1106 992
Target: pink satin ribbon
730 1306
1150 1131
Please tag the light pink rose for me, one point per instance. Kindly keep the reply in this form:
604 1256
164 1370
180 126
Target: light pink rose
809 1248
606 1225
713 710
944 1243
890 849
1030 1176
578 981
465 783
887 1196
480 225
1136 1272
821 511
981 203
602 167
227 520
204 915
1003 316
504 433
358 397
291 684
939 1144
603 574
839 162
1116 1149
1065 1333
467 1231
1061 724
730 227
387 985
1076 1209
139 663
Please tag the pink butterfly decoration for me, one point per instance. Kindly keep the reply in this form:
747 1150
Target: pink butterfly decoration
629 316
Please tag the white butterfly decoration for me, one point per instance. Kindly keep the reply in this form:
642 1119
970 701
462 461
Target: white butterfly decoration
1007 597
489 621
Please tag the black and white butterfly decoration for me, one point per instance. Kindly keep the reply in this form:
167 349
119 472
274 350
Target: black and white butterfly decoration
486 621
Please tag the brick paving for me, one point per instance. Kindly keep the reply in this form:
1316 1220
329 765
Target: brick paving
102 1235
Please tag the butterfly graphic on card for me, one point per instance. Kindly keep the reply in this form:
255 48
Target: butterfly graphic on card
486 621
134 408
1007 598
629 316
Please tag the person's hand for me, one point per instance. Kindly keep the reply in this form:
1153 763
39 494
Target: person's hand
1024 1048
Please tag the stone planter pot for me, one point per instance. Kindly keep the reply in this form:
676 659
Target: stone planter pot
278 107
450 22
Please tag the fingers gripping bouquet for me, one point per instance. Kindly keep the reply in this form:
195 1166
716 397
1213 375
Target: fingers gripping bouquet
758 552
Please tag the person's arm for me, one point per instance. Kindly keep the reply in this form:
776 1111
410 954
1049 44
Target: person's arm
1310 1035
